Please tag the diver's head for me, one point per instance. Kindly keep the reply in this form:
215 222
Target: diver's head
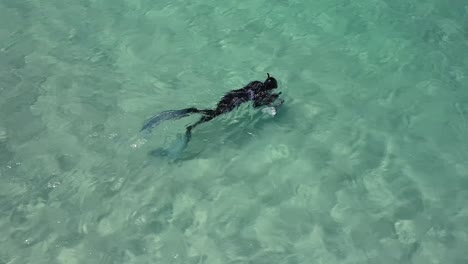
270 83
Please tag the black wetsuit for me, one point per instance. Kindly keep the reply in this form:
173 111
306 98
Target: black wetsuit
254 91
260 93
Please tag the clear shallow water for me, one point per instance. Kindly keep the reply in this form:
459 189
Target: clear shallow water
365 163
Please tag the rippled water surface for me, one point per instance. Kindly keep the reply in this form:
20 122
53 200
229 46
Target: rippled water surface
366 162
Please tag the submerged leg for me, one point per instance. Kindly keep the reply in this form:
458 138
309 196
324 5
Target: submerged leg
188 132
181 142
171 114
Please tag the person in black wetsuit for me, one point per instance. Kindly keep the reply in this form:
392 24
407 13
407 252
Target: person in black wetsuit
260 93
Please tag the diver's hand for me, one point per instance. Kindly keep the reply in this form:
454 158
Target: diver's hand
271 110
278 103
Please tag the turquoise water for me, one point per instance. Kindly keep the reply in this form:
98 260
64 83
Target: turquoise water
366 162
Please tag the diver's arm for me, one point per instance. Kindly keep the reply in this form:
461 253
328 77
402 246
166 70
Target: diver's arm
267 99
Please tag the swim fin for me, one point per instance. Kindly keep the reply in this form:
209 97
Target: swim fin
167 115
175 150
